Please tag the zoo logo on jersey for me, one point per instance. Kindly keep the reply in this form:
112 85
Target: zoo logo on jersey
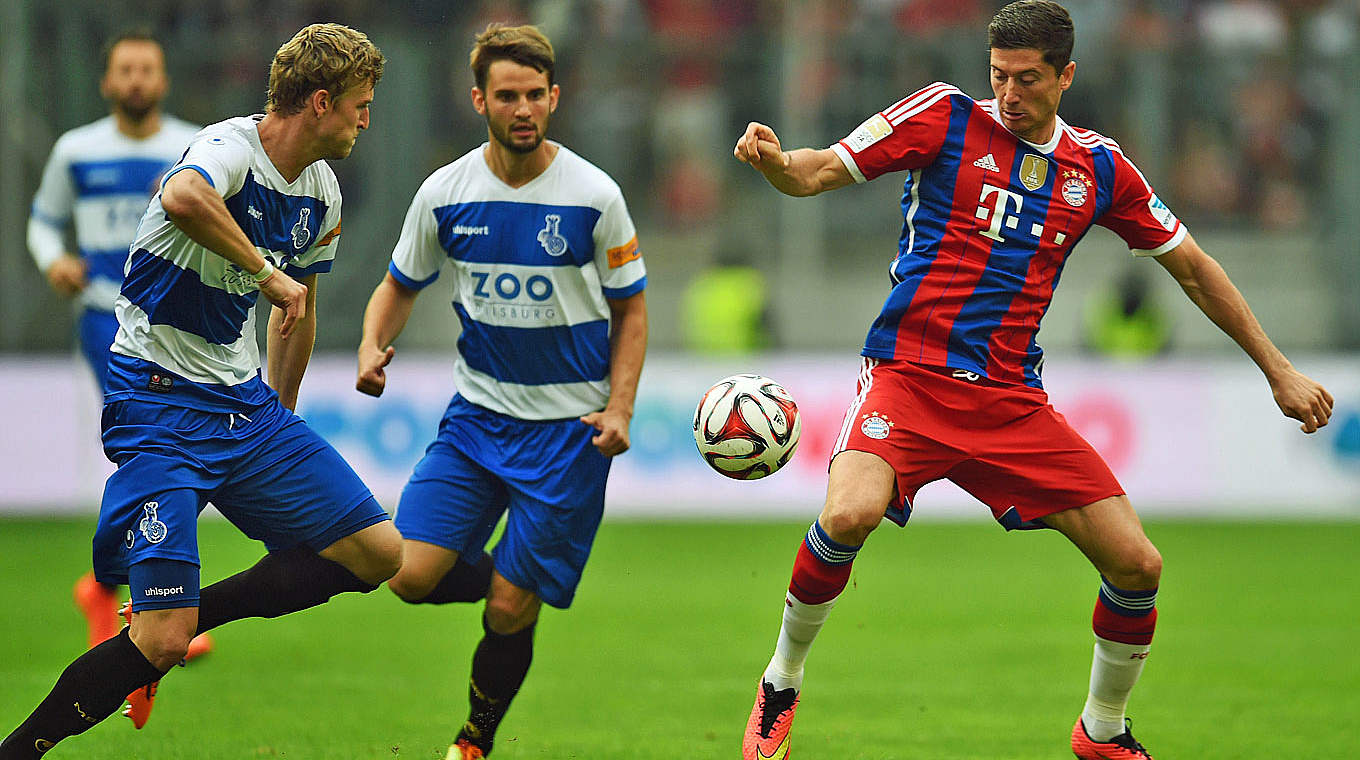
151 526
300 232
549 237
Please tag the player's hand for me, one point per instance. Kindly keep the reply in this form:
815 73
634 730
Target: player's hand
66 275
287 294
372 379
759 147
612 439
1303 399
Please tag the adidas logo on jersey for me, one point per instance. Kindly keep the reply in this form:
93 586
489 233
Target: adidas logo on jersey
988 163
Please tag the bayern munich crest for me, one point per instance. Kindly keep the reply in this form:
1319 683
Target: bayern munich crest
1074 188
875 426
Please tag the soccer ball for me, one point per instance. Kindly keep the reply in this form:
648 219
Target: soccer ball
746 426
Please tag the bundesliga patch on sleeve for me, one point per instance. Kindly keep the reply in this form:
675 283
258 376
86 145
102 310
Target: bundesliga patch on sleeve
1161 213
875 128
623 254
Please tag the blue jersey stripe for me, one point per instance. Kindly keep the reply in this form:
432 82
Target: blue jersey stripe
1102 161
124 176
274 221
201 172
522 234
407 281
535 355
171 295
934 201
1004 278
320 267
625 292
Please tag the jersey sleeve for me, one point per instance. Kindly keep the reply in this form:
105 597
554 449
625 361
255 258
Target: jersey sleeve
906 135
223 159
1137 215
617 256
418 256
52 208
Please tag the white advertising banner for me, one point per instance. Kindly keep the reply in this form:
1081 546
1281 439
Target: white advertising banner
1184 437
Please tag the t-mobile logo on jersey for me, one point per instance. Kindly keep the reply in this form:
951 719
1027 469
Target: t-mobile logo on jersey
997 210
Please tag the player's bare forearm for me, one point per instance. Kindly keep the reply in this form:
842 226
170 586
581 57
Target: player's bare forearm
627 351
196 208
799 173
1208 286
1205 282
384 318
289 355
627 348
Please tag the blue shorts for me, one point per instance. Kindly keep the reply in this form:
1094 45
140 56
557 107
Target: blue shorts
267 472
97 330
545 476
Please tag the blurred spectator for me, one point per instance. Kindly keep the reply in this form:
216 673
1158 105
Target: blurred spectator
1124 321
725 309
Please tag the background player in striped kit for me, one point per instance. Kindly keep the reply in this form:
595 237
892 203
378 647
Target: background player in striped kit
188 417
96 185
548 288
999 192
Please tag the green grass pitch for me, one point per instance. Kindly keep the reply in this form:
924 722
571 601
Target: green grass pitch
955 640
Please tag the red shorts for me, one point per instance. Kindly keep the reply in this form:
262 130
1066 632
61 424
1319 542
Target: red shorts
1004 444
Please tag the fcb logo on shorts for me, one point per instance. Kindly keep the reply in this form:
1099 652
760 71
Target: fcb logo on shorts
875 426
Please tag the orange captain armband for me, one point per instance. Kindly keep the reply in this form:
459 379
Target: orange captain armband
330 236
624 253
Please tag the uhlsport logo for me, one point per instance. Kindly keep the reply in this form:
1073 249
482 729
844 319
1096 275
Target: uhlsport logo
551 240
876 426
151 526
300 232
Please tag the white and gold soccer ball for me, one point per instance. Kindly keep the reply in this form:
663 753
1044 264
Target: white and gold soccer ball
746 426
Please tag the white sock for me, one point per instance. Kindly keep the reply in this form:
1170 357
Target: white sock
801 624
1114 670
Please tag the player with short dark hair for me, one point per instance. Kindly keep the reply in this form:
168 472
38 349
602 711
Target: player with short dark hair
998 193
549 292
188 419
96 185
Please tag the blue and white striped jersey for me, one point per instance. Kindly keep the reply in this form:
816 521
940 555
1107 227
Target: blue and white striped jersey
532 267
186 316
99 180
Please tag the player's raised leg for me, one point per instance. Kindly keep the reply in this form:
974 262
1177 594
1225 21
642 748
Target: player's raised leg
499 665
297 578
858 492
1109 533
433 574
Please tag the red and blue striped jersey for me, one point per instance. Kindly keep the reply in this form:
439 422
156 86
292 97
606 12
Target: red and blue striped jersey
989 222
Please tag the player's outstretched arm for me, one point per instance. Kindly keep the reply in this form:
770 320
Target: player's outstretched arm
384 318
799 173
289 353
627 349
195 207
1205 282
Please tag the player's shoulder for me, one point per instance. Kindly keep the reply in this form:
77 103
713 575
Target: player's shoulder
931 96
178 128
96 133
459 176
1089 139
234 131
584 176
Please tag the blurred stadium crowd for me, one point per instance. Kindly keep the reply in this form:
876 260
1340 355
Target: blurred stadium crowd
1241 112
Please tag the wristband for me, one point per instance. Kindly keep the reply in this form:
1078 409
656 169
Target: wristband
265 272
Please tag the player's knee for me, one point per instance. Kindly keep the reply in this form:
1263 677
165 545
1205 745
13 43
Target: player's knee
410 587
506 615
849 523
1140 570
381 559
164 649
